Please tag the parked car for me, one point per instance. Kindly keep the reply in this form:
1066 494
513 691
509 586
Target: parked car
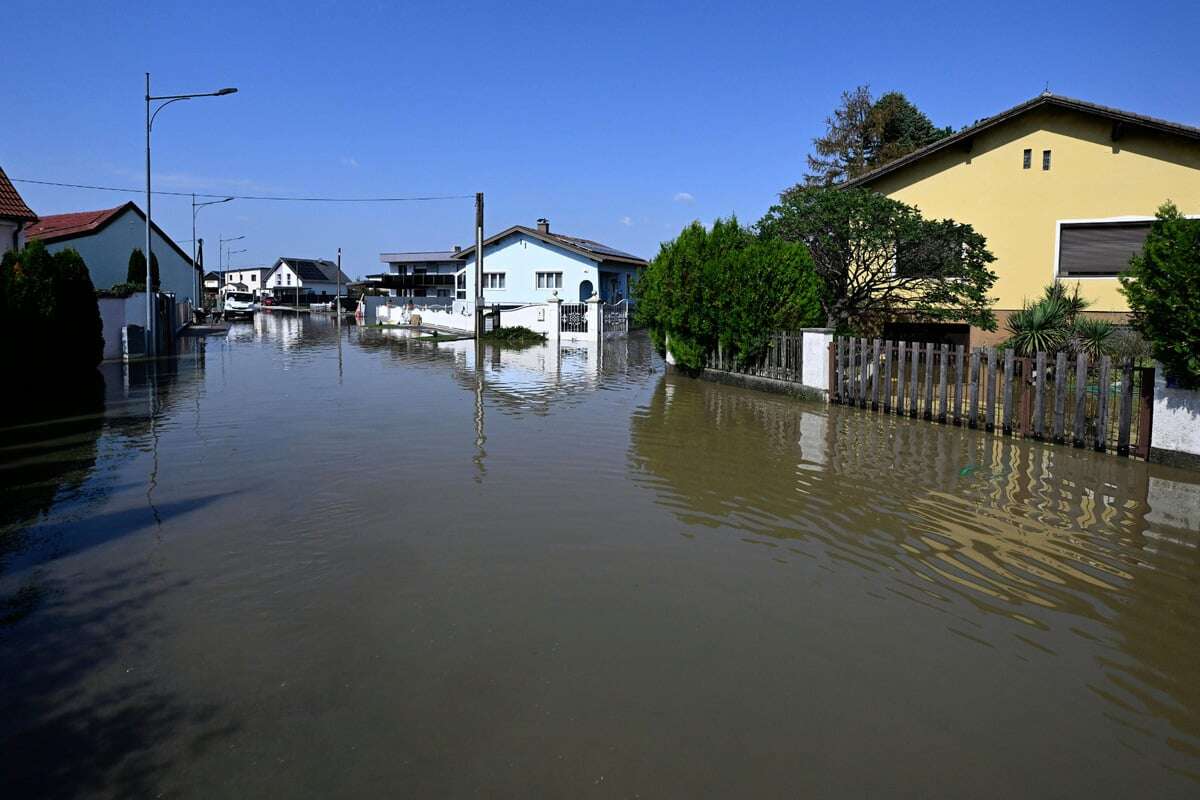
238 305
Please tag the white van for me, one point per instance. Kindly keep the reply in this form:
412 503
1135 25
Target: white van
239 305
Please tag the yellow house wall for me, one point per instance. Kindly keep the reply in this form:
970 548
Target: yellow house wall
1018 210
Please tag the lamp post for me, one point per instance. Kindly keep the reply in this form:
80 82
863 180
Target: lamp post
221 249
151 342
196 210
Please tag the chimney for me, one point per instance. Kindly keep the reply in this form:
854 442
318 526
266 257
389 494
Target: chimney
544 226
457 248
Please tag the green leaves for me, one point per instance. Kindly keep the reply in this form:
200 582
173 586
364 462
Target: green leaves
1163 290
725 285
879 258
49 319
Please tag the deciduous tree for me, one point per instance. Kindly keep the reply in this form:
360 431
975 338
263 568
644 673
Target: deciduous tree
879 258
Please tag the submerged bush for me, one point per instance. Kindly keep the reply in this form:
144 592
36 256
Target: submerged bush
515 336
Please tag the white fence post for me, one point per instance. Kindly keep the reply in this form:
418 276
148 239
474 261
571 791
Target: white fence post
595 318
554 319
816 357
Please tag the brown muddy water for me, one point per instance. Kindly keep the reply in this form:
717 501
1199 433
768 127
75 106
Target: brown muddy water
290 563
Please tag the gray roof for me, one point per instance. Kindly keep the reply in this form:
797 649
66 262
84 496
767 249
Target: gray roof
585 247
1128 119
420 255
314 269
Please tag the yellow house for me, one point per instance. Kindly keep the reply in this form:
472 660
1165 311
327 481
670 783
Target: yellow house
1060 187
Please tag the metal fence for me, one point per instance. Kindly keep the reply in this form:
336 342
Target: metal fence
781 360
573 318
615 317
1060 397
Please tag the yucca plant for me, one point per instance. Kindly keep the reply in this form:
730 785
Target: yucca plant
1092 336
1040 326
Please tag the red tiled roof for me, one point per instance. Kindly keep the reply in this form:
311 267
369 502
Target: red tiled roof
82 223
57 226
11 204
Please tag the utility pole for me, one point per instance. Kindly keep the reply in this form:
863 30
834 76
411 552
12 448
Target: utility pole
478 265
337 298
151 341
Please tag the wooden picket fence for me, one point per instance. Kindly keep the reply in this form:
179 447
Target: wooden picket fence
1054 397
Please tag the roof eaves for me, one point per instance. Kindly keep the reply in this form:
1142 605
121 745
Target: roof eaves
1061 101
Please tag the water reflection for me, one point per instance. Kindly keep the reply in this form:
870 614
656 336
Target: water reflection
1079 551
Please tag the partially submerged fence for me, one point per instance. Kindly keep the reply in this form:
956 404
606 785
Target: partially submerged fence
615 316
574 318
781 360
1063 398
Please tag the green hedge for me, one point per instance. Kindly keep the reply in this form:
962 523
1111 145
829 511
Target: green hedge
725 285
50 324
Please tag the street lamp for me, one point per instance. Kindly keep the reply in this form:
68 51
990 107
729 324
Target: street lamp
151 342
196 210
221 249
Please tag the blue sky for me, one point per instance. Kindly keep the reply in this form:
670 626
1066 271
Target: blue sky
619 121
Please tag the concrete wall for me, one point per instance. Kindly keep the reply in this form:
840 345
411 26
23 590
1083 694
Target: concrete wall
117 312
1175 435
1018 210
106 253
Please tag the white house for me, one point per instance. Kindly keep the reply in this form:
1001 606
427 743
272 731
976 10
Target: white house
253 278
528 265
107 237
15 216
312 279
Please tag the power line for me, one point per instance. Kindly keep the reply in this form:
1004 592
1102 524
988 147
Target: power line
276 198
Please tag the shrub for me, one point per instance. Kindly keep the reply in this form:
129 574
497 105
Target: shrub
1163 289
121 290
724 285
136 271
49 319
515 336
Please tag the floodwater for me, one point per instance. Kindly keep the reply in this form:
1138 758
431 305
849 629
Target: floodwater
298 563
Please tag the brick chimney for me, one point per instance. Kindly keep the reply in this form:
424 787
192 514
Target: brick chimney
543 226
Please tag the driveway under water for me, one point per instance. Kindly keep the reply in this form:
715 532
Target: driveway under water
304 562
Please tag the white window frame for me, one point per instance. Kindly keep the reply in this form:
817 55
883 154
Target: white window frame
539 273
503 281
1058 226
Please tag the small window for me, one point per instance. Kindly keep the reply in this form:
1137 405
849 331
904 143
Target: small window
493 280
254 277
1028 161
1045 160
549 280
289 279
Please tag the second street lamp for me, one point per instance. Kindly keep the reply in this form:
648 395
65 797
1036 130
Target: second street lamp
151 341
200 278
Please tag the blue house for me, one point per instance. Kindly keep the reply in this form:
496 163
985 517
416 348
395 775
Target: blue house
528 265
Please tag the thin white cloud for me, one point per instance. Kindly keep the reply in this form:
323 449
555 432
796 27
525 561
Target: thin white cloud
627 221
350 161
684 197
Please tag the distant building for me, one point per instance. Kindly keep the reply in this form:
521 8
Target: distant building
107 237
1063 190
421 274
314 280
15 216
521 266
254 278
